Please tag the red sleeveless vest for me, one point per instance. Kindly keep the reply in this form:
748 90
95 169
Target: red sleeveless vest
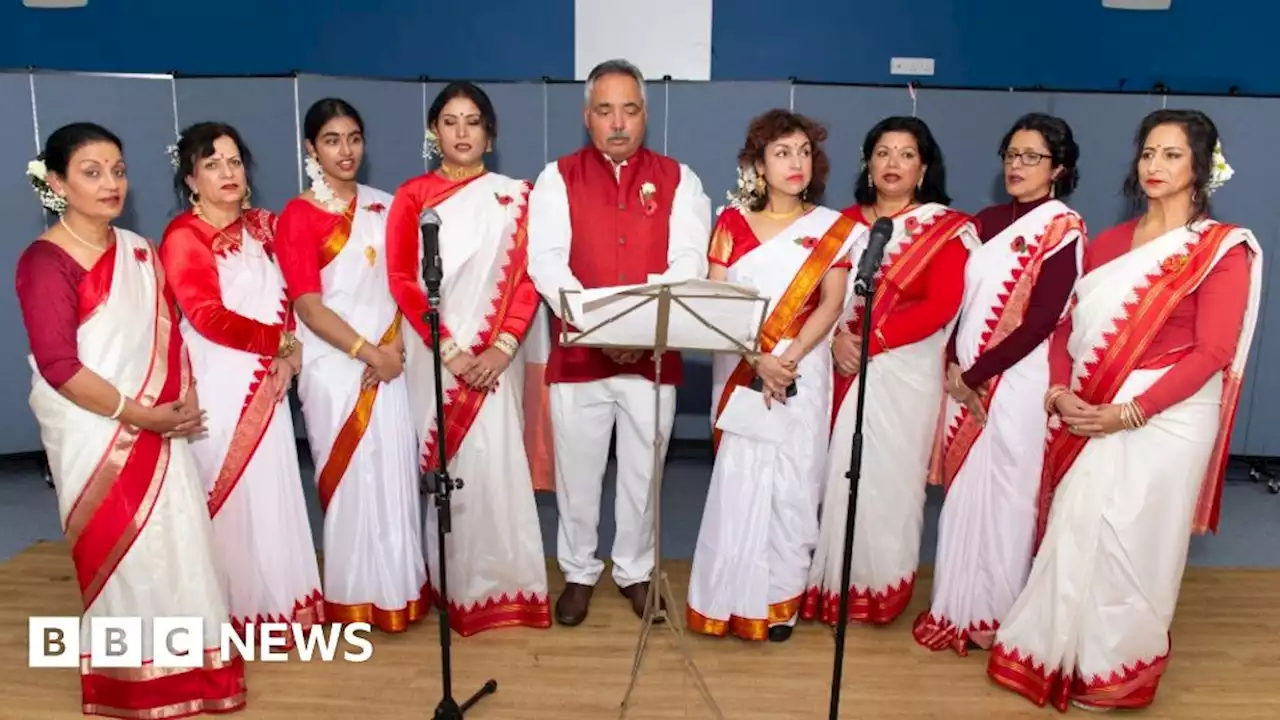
620 229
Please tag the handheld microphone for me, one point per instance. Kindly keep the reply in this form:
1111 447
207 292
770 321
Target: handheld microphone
869 263
432 270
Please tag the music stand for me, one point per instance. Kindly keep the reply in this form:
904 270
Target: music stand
683 316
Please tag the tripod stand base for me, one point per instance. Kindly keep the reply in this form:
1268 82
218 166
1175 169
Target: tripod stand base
448 709
654 615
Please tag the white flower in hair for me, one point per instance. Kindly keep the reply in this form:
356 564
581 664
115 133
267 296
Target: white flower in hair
430 145
1219 172
324 194
172 152
742 197
38 174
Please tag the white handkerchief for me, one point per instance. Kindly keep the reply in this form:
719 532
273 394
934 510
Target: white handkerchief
746 414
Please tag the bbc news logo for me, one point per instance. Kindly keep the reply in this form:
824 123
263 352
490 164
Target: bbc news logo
117 642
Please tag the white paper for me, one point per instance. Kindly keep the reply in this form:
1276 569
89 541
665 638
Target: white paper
661 37
746 414
728 321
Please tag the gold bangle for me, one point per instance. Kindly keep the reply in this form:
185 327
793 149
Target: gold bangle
357 347
1051 398
507 343
287 343
449 350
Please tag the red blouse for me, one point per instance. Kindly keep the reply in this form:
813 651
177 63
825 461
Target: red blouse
48 284
1197 340
300 232
1048 297
929 302
189 255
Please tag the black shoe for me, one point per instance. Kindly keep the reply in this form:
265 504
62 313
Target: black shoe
780 633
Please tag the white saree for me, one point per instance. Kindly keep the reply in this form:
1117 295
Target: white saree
248 460
1092 624
363 441
131 502
991 472
904 398
495 557
760 523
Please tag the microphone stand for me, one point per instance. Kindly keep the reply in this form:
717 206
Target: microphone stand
865 290
437 482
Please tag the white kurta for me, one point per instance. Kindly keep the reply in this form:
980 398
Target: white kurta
261 528
585 415
373 565
989 515
760 523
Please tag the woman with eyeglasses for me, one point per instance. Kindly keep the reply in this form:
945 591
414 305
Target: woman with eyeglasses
990 451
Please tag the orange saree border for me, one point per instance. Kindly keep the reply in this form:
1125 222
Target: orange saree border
955 442
901 270
116 502
352 432
1124 348
786 316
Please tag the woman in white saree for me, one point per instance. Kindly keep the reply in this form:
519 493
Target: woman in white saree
237 322
990 440
1146 374
761 517
113 393
918 294
496 564
331 242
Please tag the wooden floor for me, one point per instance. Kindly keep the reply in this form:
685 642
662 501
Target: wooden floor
1226 664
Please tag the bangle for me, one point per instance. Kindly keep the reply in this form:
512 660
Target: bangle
449 350
287 343
356 347
119 408
1131 415
507 343
1051 398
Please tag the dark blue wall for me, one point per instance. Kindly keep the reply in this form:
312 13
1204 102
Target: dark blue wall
1197 46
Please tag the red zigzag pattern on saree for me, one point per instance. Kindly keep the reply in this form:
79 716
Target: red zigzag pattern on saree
264 361
495 304
1126 672
520 599
993 319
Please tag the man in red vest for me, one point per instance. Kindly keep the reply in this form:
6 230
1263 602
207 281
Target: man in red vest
613 213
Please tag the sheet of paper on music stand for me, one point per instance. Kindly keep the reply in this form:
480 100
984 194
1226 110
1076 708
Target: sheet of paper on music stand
746 414
627 316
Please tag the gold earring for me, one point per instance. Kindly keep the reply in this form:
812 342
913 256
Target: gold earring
245 204
760 186
193 197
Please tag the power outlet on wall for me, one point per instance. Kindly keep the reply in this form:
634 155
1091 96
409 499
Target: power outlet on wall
911 66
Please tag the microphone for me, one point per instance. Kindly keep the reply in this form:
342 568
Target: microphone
869 263
432 270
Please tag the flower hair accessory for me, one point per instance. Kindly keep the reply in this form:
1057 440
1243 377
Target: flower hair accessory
324 194
38 174
746 192
172 152
430 145
1219 171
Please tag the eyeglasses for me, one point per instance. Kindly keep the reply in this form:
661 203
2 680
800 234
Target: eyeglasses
1030 158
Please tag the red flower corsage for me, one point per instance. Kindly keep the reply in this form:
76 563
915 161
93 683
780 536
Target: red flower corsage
504 200
1174 263
141 254
808 242
1019 244
912 225
376 207
647 191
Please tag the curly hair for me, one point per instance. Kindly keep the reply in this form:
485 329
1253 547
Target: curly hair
778 124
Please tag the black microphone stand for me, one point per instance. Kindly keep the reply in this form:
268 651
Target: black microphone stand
436 482
865 290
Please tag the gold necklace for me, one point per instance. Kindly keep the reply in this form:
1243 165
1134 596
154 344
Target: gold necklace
783 216
463 173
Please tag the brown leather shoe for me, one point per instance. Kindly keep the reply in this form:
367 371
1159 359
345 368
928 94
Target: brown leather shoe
571 608
638 594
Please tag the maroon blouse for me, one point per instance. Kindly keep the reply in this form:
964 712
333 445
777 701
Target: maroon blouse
1048 299
48 281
